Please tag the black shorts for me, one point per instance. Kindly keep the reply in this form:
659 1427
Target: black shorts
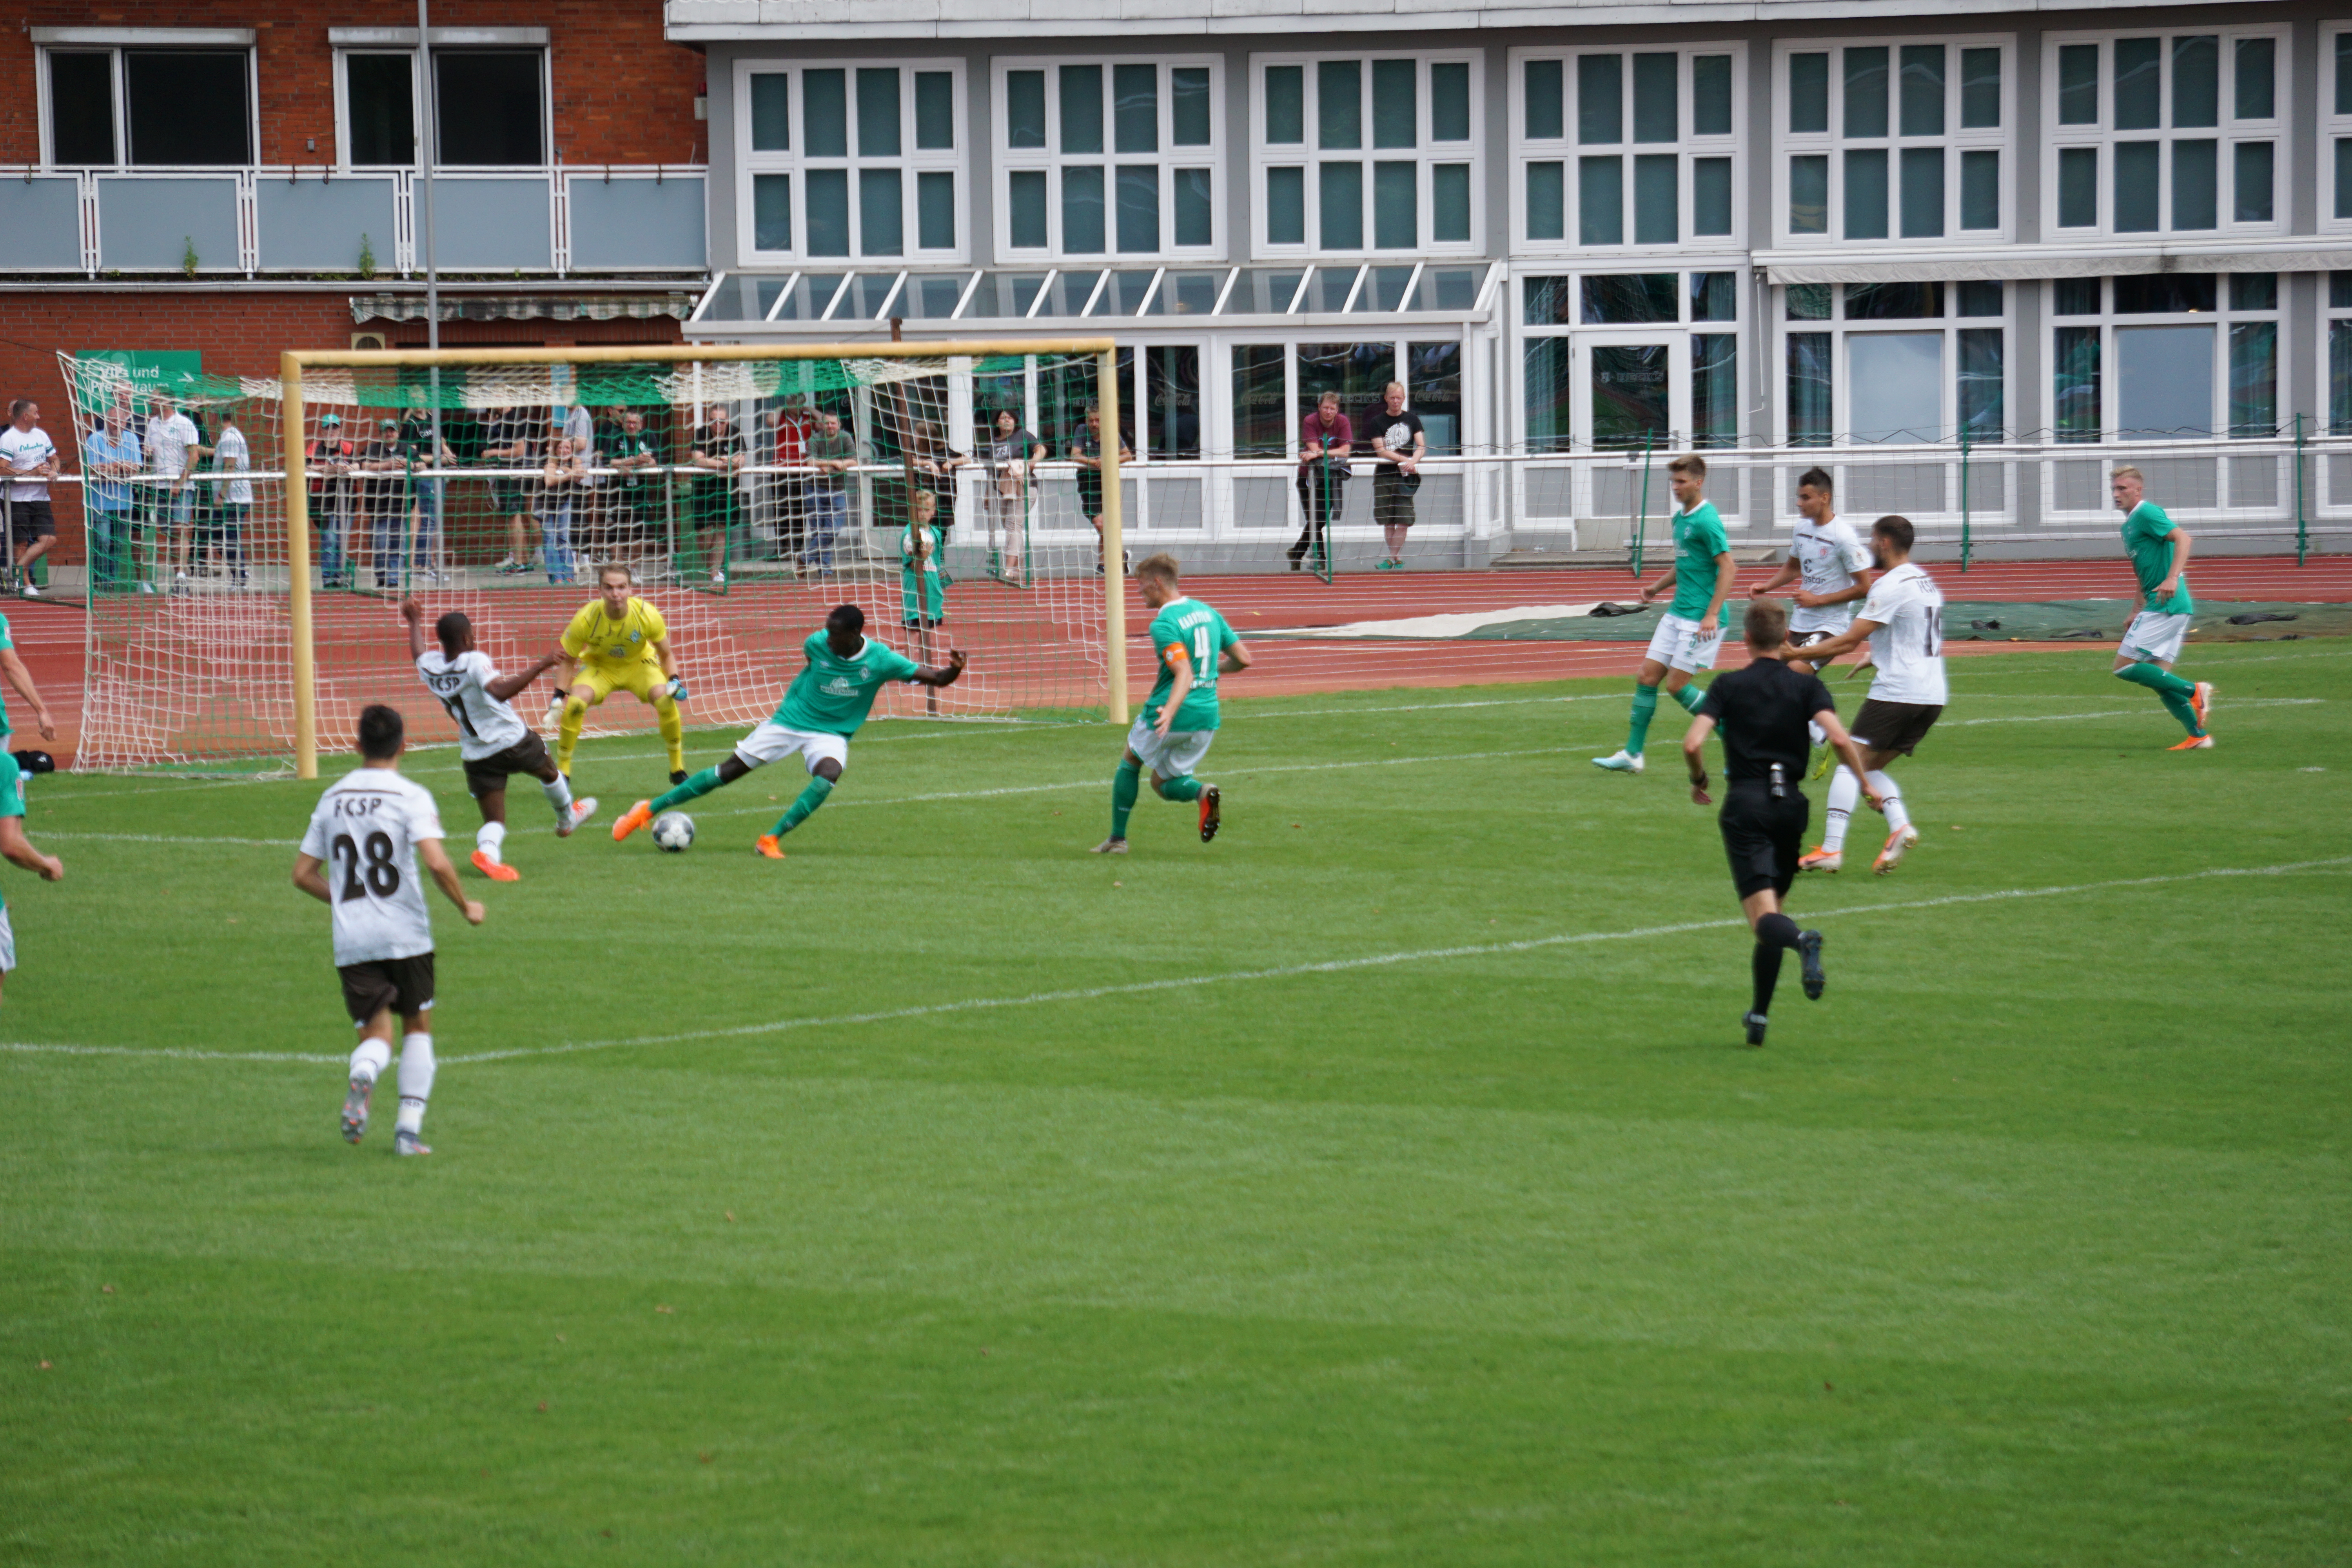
489 776
508 498
31 520
1090 493
402 984
1763 837
1896 727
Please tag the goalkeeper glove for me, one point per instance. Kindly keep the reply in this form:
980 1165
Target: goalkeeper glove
676 690
555 703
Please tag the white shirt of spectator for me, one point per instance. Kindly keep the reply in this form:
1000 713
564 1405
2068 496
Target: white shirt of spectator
366 830
230 454
168 441
486 726
1908 645
27 450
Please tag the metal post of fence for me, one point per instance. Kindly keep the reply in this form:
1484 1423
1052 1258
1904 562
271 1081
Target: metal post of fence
1964 498
1641 524
2302 524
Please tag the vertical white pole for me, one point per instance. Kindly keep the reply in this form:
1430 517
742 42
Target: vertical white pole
1113 537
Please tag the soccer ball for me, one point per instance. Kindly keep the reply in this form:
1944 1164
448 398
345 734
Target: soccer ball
673 831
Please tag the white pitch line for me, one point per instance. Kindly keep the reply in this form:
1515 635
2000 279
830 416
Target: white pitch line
1193 981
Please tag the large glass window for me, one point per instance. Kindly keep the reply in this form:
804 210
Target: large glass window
2165 356
2336 125
850 161
491 107
2164 133
1626 147
1357 154
150 108
2339 353
379 110
1100 157
1628 383
1895 139
1894 362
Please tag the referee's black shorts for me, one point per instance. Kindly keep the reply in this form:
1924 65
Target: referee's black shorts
1762 837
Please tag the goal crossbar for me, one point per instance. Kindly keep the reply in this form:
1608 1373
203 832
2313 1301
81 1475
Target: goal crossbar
293 362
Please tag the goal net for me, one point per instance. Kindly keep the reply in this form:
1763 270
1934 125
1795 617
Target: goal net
748 493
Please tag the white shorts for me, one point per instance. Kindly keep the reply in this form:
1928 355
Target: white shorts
1174 757
2155 637
1679 644
771 742
8 945
1821 621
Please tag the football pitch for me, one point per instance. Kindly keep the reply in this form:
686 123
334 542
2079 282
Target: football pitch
1385 1182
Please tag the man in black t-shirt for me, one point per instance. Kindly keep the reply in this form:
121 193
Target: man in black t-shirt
720 452
1399 445
1764 711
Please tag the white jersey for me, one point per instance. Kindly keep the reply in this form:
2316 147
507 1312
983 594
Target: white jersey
231 457
168 440
366 829
1908 645
24 450
1827 554
486 726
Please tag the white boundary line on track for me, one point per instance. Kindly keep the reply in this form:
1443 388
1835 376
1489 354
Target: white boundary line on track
1189 982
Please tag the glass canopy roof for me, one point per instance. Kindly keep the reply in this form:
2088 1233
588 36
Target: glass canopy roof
1152 294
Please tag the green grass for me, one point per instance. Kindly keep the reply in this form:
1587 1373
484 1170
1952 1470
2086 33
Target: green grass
2027 1245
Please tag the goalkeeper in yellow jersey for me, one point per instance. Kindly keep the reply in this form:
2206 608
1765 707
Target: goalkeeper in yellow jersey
619 643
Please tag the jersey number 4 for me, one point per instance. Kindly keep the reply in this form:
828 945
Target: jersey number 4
381 876
1204 668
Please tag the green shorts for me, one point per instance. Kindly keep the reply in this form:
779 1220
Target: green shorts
922 602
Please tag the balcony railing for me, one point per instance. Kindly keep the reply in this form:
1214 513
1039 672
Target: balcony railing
249 222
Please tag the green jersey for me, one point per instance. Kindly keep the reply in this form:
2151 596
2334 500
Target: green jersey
834 695
1189 631
1699 539
5 726
12 794
2147 539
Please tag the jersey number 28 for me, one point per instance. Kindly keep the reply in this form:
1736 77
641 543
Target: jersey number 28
382 877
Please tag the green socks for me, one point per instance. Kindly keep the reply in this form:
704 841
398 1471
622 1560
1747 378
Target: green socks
798 812
694 788
1645 704
2175 691
1125 785
1187 788
1690 697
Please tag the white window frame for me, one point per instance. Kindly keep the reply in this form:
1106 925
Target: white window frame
2228 133
2335 125
114 47
417 104
2331 316
1051 160
1425 153
2220 319
1566 149
343 107
911 161
1834 143
1952 323
1683 328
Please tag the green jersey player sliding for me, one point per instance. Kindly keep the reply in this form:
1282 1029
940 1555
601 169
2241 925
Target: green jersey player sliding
828 701
1178 721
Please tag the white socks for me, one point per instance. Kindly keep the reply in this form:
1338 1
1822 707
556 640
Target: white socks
559 796
1898 818
1844 790
416 1081
492 834
370 1058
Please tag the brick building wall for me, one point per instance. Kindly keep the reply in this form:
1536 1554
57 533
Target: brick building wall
622 93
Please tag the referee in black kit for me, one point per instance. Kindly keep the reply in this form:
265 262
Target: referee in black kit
1763 711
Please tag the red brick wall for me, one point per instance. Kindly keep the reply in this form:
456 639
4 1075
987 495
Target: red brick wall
238 332
623 94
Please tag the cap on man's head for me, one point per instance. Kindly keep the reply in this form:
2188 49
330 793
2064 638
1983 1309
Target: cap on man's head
325 419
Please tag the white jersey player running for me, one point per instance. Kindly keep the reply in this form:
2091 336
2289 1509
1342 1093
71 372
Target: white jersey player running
492 739
1904 620
1827 561
370 829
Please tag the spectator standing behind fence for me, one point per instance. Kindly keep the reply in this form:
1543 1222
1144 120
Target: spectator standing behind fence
111 458
564 483
1324 438
511 443
232 501
795 426
173 448
1086 450
633 455
719 451
1400 444
1012 452
32 459
833 453
383 508
328 457
417 450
